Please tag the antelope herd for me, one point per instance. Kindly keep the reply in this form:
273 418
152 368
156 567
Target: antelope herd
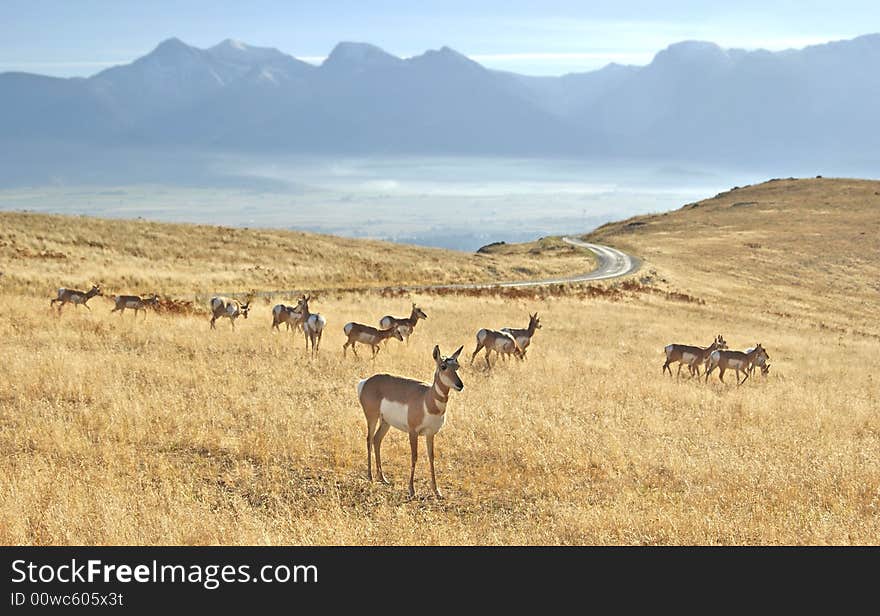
415 407
717 355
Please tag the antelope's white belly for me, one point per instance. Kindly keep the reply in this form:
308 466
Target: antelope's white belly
502 345
405 330
132 303
431 424
395 413
688 358
364 337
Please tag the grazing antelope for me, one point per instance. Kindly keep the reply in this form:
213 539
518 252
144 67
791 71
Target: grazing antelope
312 324
691 356
502 343
286 314
74 297
367 335
135 302
736 360
524 336
405 325
411 406
761 362
230 308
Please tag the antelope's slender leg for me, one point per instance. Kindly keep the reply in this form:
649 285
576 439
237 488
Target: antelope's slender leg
721 373
377 443
488 365
371 426
476 350
430 441
666 367
414 455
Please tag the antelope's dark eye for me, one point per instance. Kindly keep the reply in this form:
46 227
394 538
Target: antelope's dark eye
443 366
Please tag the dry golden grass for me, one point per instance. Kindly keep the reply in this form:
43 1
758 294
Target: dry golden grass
809 249
39 253
160 431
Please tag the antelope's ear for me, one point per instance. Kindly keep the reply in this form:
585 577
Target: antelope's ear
457 353
437 357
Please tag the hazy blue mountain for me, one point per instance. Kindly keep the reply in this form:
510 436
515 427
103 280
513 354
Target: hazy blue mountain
695 100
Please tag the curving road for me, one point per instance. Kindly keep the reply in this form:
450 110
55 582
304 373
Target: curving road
612 263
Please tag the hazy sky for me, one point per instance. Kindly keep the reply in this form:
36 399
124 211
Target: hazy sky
66 37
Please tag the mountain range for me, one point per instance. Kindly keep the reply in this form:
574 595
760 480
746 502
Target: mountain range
694 101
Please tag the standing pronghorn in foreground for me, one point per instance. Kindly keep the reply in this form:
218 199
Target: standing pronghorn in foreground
230 308
736 360
405 325
502 343
134 302
524 336
411 406
691 356
312 324
356 332
74 297
286 314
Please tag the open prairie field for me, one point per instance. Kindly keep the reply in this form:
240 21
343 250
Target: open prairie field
116 429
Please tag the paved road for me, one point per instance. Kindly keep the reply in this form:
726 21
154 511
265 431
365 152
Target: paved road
613 263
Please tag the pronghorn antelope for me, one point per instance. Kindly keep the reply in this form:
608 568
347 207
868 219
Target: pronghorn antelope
502 343
761 362
524 336
405 325
736 360
135 302
74 297
312 324
230 308
411 406
367 335
286 314
690 356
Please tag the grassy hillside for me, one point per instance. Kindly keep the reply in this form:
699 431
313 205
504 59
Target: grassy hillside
116 430
807 250
39 253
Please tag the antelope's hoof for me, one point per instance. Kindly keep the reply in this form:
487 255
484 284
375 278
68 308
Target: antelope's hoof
437 494
412 493
384 479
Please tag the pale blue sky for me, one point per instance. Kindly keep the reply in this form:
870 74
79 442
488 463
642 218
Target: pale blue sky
66 37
